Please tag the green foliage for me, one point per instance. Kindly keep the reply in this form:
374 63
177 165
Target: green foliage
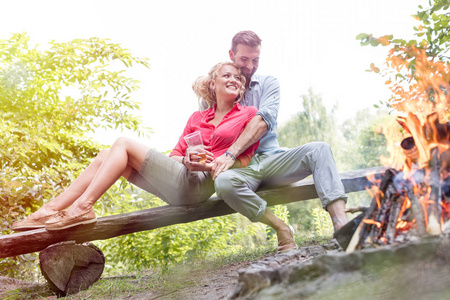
323 227
364 141
301 216
313 123
418 68
161 248
356 144
49 100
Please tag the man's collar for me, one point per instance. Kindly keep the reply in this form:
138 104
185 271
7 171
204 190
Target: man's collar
254 80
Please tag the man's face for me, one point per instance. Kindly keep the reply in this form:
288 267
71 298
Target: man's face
247 58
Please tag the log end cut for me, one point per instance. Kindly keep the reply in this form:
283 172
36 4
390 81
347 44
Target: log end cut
70 267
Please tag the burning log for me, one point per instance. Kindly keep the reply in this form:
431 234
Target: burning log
396 205
364 228
417 212
375 229
414 199
434 210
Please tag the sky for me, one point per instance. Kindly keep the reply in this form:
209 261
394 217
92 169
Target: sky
305 44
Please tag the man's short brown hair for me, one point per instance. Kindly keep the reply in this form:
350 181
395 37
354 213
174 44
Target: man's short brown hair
246 37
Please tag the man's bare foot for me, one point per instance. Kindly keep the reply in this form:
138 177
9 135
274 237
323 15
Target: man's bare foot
337 213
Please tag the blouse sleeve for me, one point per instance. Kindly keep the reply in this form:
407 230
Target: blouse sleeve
181 146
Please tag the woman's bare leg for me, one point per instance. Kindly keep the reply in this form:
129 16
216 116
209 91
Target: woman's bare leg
123 156
77 188
74 191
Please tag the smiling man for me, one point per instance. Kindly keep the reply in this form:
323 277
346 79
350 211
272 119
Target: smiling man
271 164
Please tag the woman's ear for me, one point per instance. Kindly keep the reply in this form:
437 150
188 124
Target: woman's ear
211 88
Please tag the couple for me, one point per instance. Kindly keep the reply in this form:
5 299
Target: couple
244 154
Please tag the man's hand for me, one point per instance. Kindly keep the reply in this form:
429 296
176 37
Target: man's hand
221 164
254 130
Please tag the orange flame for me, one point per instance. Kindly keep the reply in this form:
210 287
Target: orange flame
370 221
421 99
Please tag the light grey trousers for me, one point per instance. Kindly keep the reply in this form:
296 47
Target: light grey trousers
237 186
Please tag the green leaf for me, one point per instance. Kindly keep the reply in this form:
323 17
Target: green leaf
361 36
374 68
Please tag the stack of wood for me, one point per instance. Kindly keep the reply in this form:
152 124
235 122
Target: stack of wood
405 205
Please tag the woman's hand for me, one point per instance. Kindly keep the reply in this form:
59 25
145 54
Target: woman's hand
192 161
205 155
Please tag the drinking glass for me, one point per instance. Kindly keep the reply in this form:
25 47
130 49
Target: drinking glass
195 144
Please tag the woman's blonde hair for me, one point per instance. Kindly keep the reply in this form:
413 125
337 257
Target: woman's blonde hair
202 86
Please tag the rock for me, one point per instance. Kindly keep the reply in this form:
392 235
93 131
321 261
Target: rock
338 275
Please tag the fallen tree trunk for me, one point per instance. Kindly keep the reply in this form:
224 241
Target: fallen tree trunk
116 225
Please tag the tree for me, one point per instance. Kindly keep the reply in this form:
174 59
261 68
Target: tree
313 123
356 144
49 100
418 71
364 140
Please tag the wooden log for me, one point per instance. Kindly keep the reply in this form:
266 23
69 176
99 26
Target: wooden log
372 213
383 213
418 214
396 205
70 268
112 226
434 210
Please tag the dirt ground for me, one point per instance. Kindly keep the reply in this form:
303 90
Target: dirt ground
207 284
210 284
10 284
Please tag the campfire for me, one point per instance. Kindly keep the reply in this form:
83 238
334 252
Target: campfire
412 199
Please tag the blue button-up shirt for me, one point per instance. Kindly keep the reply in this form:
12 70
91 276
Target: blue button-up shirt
264 93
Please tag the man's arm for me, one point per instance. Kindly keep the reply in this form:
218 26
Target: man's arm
265 119
252 133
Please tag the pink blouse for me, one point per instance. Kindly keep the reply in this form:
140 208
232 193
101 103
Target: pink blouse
220 138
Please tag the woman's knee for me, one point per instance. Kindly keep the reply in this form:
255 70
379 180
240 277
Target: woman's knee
121 142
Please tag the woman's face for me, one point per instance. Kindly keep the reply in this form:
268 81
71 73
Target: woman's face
227 83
